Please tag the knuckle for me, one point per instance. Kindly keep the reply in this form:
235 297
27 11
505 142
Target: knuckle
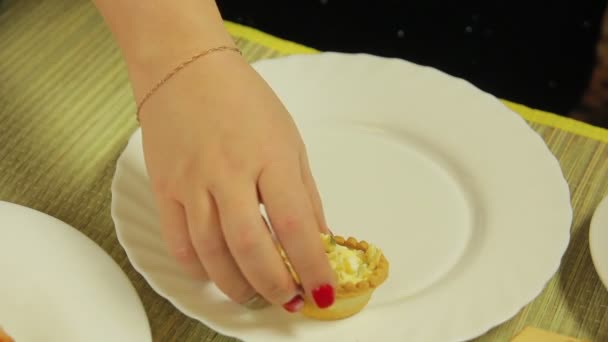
211 249
228 159
184 255
188 169
161 185
288 224
219 181
215 186
247 241
164 187
188 176
234 165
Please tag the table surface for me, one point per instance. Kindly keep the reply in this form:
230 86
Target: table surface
66 113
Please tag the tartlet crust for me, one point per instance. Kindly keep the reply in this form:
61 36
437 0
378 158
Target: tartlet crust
378 276
350 298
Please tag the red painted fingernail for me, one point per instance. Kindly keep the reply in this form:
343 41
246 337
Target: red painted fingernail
324 296
295 304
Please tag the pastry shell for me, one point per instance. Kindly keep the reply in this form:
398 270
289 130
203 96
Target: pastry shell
351 298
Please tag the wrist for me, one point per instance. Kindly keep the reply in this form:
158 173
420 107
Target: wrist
156 36
185 64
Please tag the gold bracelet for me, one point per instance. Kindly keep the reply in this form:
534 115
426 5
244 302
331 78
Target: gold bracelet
180 67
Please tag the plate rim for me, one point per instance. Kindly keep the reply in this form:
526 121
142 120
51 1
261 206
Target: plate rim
90 244
596 229
523 126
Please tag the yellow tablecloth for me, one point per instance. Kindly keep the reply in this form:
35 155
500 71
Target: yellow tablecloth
66 113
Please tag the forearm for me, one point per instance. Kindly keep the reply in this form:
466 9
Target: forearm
156 35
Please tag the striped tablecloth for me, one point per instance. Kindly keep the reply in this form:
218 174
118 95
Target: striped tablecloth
66 113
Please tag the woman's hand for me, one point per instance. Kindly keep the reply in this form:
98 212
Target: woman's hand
217 143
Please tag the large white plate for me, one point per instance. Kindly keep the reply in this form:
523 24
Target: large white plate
466 200
598 240
57 285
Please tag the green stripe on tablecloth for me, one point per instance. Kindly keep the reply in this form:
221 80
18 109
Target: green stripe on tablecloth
66 112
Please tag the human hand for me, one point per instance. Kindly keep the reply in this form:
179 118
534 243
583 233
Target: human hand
217 143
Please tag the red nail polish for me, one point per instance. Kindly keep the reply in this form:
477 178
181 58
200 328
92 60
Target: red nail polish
295 304
324 296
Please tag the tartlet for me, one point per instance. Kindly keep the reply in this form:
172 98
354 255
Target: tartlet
360 269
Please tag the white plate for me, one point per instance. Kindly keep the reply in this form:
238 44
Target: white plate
466 200
58 285
598 240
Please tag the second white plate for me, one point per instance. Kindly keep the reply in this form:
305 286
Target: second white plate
598 240
56 285
465 199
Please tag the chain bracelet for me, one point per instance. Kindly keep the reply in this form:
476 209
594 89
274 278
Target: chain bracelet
180 67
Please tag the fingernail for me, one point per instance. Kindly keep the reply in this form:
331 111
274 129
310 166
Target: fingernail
324 296
295 304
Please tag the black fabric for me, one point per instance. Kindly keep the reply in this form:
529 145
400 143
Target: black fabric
539 53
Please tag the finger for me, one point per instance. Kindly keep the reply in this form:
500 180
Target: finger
252 246
211 248
313 193
292 218
174 229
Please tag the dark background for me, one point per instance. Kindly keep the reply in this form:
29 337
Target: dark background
539 53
